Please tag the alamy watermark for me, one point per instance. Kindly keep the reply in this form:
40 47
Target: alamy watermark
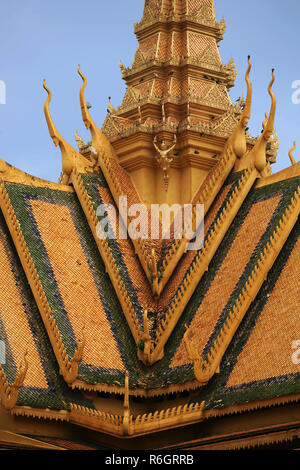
296 93
296 353
159 221
2 352
2 92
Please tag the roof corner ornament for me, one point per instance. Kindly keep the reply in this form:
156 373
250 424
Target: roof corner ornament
145 354
71 159
162 158
293 161
126 408
201 372
238 138
11 392
72 372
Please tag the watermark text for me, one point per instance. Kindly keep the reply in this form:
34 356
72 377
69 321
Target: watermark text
2 92
159 221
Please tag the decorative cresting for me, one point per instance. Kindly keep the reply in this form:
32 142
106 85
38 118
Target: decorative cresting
70 157
201 262
68 367
108 259
237 141
9 393
258 155
204 369
293 161
118 425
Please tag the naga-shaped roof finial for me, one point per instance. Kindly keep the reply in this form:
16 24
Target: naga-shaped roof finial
237 141
259 150
99 142
258 153
70 157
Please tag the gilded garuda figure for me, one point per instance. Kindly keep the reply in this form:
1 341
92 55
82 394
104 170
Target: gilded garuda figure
162 157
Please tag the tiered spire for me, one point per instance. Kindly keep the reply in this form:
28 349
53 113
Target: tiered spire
177 91
177 62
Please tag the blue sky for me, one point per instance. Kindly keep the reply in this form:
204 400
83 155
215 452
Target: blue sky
38 41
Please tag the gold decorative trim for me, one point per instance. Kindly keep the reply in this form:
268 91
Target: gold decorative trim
41 413
252 406
283 175
69 368
147 423
137 392
205 369
12 174
117 425
9 393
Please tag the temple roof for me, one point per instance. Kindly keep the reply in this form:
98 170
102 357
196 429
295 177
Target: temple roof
83 314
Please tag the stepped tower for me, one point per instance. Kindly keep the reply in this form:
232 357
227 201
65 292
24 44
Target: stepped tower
176 86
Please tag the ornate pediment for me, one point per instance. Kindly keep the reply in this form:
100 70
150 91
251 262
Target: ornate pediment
216 97
210 57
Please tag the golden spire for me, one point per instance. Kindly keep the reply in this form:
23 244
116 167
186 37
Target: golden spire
293 161
237 141
99 141
70 157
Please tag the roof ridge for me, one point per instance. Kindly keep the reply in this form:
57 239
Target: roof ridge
120 425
